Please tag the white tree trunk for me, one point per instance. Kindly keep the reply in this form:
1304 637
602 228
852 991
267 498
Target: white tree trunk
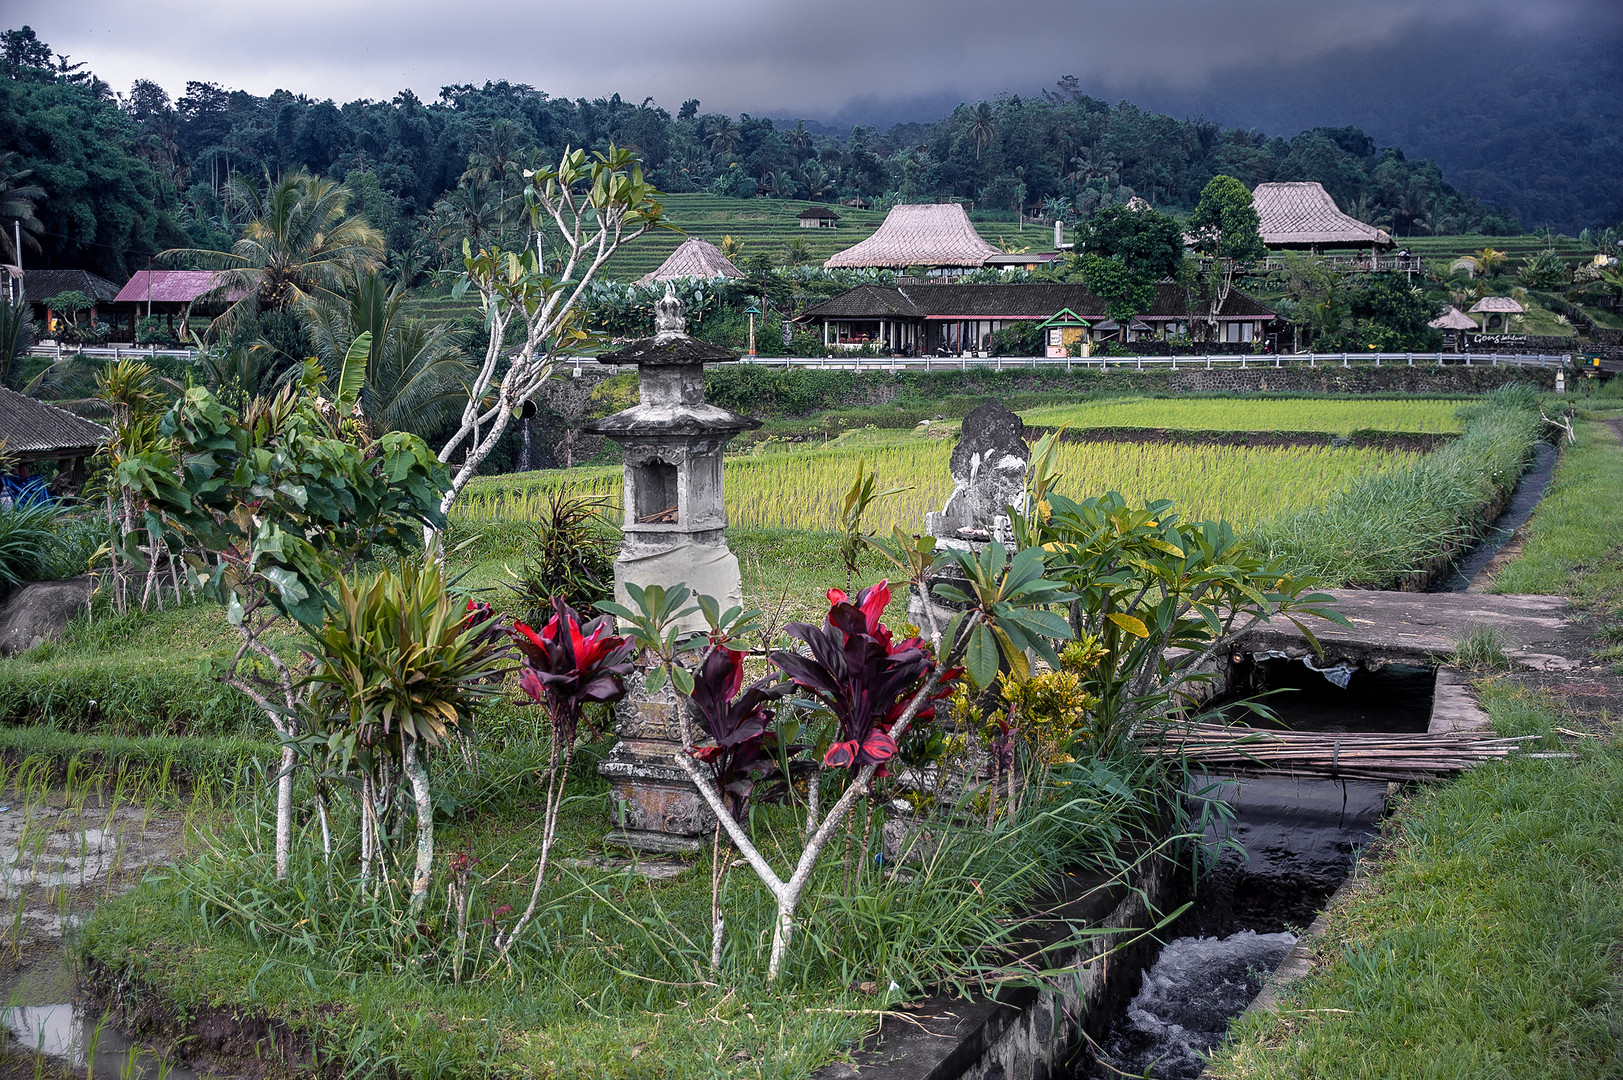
418 775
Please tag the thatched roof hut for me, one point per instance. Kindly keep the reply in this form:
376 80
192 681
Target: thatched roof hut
1497 305
1301 214
1453 319
693 258
924 234
34 430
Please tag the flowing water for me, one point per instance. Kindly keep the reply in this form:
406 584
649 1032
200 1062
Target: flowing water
1528 494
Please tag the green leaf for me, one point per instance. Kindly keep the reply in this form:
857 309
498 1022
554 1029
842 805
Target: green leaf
352 376
980 659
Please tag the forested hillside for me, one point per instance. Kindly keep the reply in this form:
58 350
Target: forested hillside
126 175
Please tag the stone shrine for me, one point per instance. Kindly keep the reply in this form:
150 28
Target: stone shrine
673 534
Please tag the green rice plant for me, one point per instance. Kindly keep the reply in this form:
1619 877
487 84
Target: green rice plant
1387 526
1336 417
805 488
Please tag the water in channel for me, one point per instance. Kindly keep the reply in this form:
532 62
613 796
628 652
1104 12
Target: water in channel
1299 839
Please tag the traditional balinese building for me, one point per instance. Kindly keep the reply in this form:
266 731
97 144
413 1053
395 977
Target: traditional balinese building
956 320
1301 215
42 287
35 432
936 235
1496 309
172 294
818 217
693 258
1454 324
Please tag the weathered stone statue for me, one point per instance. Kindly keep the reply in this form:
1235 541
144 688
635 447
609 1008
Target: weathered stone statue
988 476
674 522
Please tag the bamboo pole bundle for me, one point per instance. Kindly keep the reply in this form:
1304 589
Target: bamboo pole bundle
1244 751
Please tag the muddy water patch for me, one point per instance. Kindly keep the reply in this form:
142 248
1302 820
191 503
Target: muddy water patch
62 851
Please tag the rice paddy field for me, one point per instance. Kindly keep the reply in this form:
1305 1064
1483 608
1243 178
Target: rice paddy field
802 489
1336 417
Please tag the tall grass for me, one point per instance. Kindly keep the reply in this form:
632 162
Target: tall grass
802 489
1384 527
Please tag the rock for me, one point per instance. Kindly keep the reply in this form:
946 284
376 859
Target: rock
988 471
41 612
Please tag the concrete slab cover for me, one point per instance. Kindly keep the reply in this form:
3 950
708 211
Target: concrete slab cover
1537 631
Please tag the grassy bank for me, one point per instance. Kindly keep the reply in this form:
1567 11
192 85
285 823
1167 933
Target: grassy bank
612 980
1484 946
1384 529
1575 541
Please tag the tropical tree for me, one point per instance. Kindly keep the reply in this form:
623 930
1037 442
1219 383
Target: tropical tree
591 205
982 126
416 374
299 243
18 196
1226 231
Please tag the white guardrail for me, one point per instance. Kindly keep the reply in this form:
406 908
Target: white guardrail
1143 363
1008 363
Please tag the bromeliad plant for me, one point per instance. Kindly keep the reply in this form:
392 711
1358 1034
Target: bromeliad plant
564 667
398 667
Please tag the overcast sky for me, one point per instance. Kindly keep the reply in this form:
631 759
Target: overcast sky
872 59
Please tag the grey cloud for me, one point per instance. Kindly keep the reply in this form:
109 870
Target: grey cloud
771 58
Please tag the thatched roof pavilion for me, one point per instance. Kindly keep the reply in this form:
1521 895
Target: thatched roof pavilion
924 234
1301 214
1496 307
1453 319
693 258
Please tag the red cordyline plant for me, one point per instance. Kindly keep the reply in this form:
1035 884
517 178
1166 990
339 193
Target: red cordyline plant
564 667
876 686
863 675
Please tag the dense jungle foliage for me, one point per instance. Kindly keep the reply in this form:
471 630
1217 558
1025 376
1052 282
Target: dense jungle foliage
126 175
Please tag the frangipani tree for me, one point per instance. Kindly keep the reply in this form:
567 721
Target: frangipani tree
587 208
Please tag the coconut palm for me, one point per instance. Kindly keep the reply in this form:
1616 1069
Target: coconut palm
723 136
982 126
416 374
298 244
18 194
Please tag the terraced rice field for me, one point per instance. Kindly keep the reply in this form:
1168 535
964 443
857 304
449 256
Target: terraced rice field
1271 414
803 489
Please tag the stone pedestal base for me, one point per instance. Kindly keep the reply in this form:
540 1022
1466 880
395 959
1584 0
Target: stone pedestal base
656 806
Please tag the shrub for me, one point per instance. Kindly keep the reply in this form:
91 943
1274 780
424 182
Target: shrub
28 543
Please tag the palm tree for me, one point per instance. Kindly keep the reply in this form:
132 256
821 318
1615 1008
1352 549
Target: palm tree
982 126
799 140
797 253
299 243
494 162
18 194
417 374
723 136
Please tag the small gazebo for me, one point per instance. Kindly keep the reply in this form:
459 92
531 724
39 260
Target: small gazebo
693 258
1453 323
36 433
818 217
1496 307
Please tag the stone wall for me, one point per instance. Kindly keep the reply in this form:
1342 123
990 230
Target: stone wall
1028 1033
